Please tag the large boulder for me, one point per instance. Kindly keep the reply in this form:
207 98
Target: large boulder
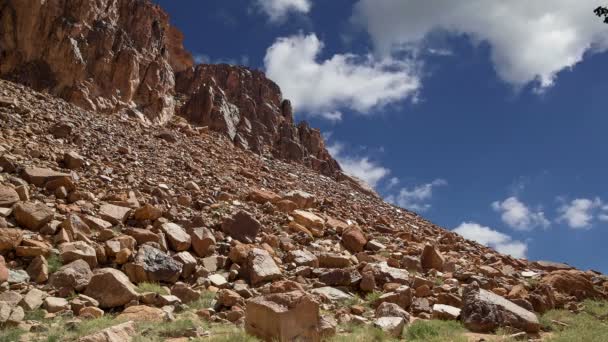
290 316
179 240
9 239
40 176
78 250
484 312
242 227
32 216
8 196
203 241
383 274
111 288
123 332
261 267
573 283
74 276
153 265
431 258
354 240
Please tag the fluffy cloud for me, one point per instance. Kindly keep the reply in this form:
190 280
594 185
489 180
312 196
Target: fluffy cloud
518 216
580 213
529 40
361 167
486 236
416 198
277 10
322 87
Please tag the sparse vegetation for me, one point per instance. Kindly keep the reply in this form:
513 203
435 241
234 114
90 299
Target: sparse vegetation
372 297
590 325
151 287
35 315
159 332
361 333
54 261
436 331
10 334
204 302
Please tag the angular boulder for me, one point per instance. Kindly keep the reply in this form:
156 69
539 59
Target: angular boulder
203 242
242 227
8 196
431 258
153 265
354 240
78 250
262 267
74 276
283 317
484 312
32 216
111 288
10 238
119 333
179 240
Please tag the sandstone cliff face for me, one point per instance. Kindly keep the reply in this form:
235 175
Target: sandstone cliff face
250 109
102 55
109 55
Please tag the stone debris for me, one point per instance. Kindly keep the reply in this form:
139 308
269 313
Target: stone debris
229 197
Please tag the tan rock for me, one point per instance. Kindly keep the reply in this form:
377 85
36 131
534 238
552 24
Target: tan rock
301 198
431 258
73 161
111 288
262 267
72 277
40 176
179 240
353 240
262 196
78 250
38 270
283 317
8 196
142 313
203 242
147 212
10 238
119 333
113 213
90 312
32 216
242 227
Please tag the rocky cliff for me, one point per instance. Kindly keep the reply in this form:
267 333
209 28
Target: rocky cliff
115 55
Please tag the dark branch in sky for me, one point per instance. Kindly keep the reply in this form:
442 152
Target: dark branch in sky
602 11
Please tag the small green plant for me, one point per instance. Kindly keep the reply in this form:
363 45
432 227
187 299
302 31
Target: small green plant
351 301
204 302
11 335
35 315
372 297
151 287
361 333
587 326
154 331
54 263
436 331
227 333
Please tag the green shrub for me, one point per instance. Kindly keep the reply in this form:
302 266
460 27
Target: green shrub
435 331
151 287
10 335
54 262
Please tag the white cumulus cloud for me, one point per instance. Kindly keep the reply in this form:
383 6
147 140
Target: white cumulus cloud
278 10
518 216
416 198
488 237
360 83
580 213
359 166
529 40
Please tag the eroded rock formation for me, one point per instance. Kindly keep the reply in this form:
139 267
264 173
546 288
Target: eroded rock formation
114 55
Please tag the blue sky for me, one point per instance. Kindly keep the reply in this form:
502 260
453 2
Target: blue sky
489 124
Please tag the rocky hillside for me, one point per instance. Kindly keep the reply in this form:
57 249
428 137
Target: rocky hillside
113 56
219 214
96 207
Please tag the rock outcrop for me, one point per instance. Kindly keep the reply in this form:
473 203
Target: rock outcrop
123 56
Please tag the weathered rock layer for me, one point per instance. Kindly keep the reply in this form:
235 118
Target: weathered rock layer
123 55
